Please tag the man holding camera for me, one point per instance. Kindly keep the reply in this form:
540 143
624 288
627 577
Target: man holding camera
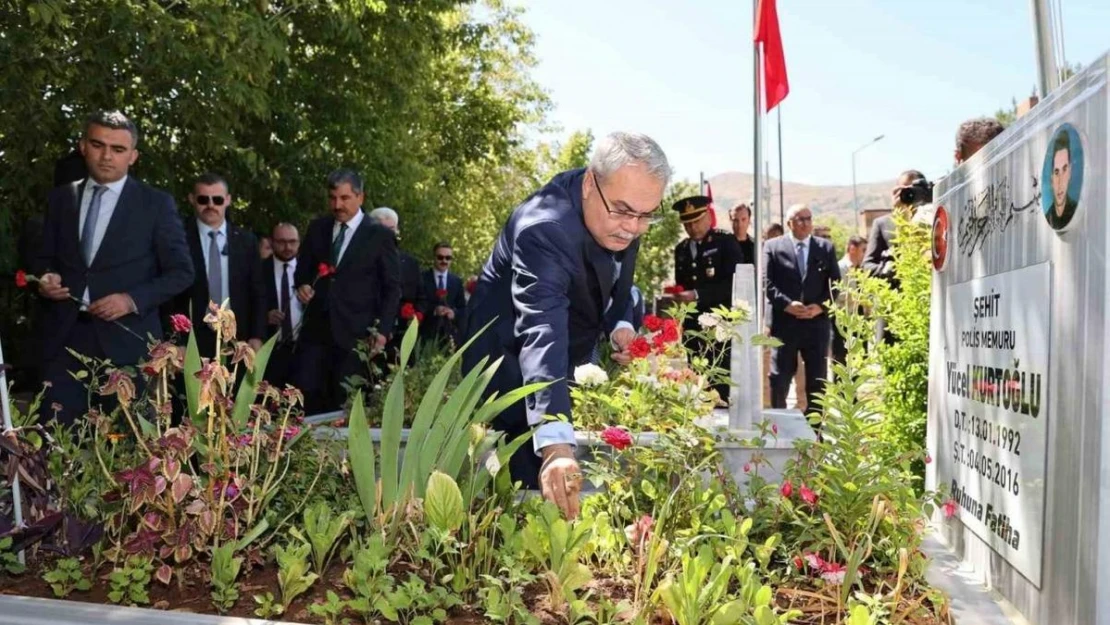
913 191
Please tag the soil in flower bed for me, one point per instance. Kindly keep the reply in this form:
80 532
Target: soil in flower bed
195 596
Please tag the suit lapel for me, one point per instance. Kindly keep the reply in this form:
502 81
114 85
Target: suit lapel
234 266
120 217
192 236
73 217
603 267
361 234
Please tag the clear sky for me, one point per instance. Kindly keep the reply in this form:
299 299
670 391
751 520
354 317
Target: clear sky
910 70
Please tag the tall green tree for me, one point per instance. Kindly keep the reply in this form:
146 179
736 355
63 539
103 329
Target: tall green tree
655 262
422 97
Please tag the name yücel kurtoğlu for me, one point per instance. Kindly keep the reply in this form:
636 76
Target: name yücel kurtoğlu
1014 389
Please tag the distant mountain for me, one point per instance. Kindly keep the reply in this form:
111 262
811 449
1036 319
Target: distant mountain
731 188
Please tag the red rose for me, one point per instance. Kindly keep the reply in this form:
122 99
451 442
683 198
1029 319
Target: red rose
324 270
21 279
441 293
658 343
809 496
616 437
639 347
408 311
787 489
471 284
670 331
674 289
181 324
653 323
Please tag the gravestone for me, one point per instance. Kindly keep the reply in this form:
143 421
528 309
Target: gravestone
1017 375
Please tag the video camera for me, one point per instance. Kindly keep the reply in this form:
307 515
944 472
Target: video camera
919 192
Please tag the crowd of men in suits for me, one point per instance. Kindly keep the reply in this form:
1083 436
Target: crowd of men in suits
116 261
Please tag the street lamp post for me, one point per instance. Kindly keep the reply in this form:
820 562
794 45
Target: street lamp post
855 198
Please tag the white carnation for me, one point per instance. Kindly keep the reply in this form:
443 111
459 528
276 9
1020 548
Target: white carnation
722 333
590 375
708 320
743 305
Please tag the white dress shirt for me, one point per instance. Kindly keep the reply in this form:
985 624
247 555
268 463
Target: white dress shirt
108 201
294 303
205 242
352 225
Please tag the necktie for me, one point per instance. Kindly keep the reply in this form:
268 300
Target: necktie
215 275
337 244
441 285
802 260
88 234
287 322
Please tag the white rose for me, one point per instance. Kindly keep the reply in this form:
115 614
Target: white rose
590 375
708 320
744 306
722 333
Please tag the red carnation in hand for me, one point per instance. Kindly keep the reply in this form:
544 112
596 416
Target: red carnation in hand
639 347
441 293
617 438
653 323
471 284
419 317
21 279
670 331
324 270
674 289
408 311
181 324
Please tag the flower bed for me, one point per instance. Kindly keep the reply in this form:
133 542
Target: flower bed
237 511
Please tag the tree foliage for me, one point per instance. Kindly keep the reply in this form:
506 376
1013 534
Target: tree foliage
655 262
427 99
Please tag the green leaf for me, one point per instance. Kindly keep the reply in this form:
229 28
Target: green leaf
248 387
192 383
250 536
360 451
443 503
392 422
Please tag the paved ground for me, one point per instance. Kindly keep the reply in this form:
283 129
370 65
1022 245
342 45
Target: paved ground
972 603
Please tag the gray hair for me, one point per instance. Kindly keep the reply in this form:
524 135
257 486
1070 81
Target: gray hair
114 120
621 149
383 214
348 176
794 209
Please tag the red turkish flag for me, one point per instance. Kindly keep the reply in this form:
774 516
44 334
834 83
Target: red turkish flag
775 84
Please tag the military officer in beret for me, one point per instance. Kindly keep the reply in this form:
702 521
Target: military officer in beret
704 264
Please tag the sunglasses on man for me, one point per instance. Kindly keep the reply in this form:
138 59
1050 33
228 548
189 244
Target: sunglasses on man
217 200
445 258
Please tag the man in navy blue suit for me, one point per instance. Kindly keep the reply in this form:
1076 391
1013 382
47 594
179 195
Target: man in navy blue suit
359 300
799 273
446 297
118 245
560 277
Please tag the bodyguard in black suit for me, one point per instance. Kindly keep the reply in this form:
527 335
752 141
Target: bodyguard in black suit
341 309
226 266
446 306
800 271
118 245
283 310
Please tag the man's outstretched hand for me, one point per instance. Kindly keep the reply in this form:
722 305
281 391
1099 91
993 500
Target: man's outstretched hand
561 478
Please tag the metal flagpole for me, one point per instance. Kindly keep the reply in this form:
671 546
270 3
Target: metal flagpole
757 157
782 194
17 498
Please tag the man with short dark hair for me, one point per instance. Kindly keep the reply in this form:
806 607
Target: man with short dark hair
878 260
116 244
799 273
1063 205
443 314
284 310
741 216
973 134
226 266
348 278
